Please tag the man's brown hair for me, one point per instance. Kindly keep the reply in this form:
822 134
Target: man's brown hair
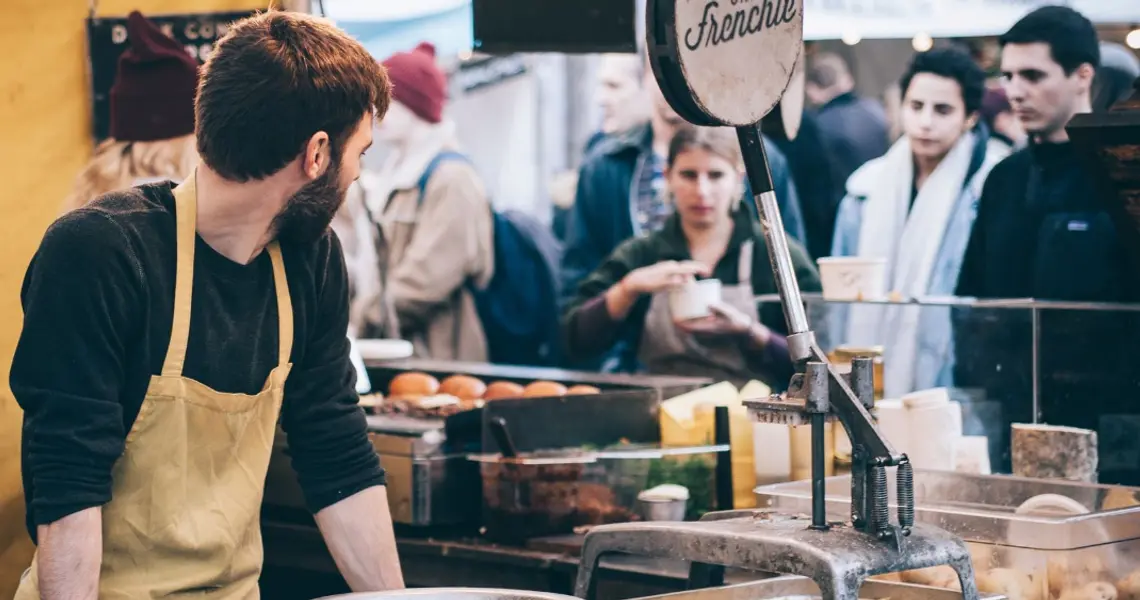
272 82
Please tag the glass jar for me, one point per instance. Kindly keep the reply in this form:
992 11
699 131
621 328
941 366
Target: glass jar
841 358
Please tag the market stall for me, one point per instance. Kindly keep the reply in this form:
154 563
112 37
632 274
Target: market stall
543 489
584 446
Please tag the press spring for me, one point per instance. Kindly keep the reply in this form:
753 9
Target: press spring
905 480
880 512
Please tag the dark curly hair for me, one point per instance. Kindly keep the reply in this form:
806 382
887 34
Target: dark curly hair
1071 37
952 63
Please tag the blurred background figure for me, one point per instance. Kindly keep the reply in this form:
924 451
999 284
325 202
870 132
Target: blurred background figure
914 207
152 117
429 219
812 172
623 304
624 104
997 114
1119 67
621 94
854 128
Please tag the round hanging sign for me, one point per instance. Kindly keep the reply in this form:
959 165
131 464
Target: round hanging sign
724 62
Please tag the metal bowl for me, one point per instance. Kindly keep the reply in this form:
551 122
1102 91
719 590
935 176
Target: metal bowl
457 593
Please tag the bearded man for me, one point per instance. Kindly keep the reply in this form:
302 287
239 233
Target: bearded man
168 329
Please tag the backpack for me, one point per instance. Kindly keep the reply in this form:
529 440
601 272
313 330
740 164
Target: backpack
519 307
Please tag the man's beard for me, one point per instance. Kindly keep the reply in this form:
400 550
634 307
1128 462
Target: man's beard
308 214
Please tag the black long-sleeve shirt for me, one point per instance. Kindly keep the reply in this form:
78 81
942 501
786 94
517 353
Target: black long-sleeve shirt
98 303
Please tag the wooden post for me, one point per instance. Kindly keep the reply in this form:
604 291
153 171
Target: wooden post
1053 452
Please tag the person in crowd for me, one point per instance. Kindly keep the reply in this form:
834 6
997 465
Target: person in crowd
622 95
152 117
997 114
1042 231
371 313
435 223
624 103
708 235
1059 243
1113 82
621 191
854 128
810 165
914 207
148 426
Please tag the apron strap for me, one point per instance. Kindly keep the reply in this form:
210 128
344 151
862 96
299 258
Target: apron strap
284 306
744 268
186 219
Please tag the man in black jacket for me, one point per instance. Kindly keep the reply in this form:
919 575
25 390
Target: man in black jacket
1042 232
854 129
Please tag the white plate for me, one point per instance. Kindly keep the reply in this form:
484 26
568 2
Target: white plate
384 349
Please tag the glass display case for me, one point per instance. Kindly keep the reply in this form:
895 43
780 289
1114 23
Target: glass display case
1005 362
1033 539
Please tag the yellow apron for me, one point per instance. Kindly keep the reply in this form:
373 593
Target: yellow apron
667 350
183 520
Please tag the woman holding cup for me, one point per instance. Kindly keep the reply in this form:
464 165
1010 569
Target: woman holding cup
681 301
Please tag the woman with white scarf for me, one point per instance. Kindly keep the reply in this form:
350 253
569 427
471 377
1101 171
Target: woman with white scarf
915 208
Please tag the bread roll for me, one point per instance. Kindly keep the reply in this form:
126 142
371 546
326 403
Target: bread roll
544 389
464 387
413 385
582 390
1098 590
1066 574
503 389
1128 587
941 576
1011 583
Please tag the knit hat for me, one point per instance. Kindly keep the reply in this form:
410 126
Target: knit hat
417 82
994 102
153 94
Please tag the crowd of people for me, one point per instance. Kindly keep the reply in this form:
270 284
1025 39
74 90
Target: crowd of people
191 297
968 187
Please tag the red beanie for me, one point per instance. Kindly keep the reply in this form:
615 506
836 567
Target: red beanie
153 94
417 82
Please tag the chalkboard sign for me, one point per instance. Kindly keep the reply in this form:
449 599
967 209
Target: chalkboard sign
107 39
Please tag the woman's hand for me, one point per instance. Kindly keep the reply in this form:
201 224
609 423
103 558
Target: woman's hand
727 321
662 276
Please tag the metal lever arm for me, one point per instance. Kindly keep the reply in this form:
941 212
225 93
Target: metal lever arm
801 340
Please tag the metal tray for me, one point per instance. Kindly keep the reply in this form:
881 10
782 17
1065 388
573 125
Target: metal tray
802 588
983 508
451 594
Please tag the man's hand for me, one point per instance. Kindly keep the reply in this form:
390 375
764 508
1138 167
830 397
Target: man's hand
69 554
358 532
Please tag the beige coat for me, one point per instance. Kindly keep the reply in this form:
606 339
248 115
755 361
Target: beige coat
370 313
432 249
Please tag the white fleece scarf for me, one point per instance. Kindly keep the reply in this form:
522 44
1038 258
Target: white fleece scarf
909 238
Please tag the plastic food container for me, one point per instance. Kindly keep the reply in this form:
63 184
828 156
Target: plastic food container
853 277
1031 539
693 300
546 493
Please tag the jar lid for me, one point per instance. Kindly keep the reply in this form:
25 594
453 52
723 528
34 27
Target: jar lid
851 352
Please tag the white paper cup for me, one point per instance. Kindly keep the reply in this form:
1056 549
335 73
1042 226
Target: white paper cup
693 300
852 277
